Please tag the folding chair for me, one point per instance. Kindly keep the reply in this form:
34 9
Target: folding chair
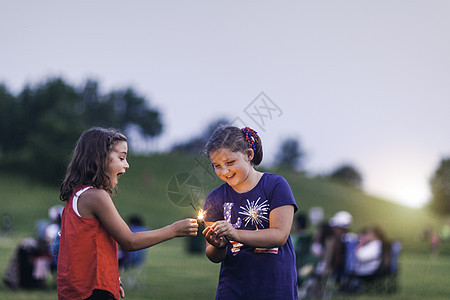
132 268
385 280
392 275
133 277
342 280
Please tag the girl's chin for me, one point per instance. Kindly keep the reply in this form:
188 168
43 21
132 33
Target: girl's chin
233 181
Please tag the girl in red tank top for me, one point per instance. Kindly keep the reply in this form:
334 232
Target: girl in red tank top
91 225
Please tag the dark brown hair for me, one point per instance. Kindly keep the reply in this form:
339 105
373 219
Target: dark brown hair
236 139
90 161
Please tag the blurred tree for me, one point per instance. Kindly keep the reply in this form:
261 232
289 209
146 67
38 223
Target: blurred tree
347 174
10 133
133 109
440 188
290 155
97 110
53 124
196 144
119 109
39 128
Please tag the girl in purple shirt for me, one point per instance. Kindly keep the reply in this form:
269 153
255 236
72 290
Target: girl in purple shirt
249 219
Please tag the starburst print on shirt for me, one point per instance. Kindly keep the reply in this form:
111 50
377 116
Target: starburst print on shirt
255 213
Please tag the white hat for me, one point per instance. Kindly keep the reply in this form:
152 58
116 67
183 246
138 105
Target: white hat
54 212
341 219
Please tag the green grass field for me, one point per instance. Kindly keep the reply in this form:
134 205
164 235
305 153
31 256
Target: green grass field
171 272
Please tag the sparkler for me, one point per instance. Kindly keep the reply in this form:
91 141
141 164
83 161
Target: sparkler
200 218
200 215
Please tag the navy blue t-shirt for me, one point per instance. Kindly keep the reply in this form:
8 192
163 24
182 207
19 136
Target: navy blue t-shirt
249 272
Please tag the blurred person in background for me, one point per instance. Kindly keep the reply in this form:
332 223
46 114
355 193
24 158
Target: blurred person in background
340 224
372 253
130 259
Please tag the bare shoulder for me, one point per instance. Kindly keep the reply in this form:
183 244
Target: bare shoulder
97 196
96 193
92 201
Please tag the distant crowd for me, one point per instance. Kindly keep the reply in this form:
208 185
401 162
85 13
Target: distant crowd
333 260
436 236
32 262
34 259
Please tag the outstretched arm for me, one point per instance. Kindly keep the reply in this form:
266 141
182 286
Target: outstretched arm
97 203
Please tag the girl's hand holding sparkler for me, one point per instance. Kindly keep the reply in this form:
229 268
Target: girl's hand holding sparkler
213 239
226 230
186 227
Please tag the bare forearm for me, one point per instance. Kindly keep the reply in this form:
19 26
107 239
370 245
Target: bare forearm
215 254
145 239
265 238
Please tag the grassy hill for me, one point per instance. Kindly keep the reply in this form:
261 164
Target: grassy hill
144 190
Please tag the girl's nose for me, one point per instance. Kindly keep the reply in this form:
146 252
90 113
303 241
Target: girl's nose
225 170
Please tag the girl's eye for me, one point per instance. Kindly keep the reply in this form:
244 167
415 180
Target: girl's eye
230 163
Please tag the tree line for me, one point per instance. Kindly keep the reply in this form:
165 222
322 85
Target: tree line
39 125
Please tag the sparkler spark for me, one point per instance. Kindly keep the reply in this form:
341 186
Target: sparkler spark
255 213
200 216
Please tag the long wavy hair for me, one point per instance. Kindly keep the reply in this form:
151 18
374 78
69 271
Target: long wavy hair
236 140
90 161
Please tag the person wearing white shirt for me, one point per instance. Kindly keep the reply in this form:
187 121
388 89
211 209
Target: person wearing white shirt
369 252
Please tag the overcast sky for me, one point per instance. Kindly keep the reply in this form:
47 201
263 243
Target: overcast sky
363 82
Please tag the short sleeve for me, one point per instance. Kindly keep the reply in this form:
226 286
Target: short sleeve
281 194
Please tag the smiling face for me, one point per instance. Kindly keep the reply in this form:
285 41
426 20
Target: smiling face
234 168
118 162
